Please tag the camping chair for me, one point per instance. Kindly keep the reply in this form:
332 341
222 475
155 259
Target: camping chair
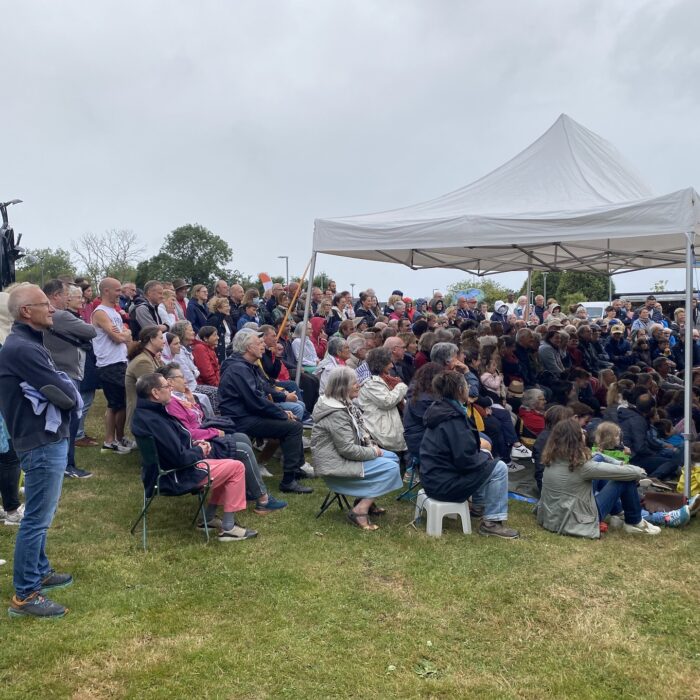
149 459
413 482
331 498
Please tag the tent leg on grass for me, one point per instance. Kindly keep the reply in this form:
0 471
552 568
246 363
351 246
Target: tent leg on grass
307 309
688 374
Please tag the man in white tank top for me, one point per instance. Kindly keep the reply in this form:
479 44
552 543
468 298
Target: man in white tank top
110 350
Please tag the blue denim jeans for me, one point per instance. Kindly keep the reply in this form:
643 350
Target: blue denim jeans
43 478
617 496
88 397
493 495
296 407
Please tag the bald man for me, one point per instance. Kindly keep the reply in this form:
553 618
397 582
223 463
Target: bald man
28 376
109 345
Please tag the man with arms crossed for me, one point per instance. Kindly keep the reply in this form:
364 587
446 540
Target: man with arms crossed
110 350
41 443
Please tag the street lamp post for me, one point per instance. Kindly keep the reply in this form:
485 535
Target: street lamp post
286 262
352 292
544 291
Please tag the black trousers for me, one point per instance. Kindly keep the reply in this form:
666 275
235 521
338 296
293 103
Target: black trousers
288 432
9 480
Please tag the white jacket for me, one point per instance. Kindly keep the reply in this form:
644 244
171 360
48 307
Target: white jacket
381 415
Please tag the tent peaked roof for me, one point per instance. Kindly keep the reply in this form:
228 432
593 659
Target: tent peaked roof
569 200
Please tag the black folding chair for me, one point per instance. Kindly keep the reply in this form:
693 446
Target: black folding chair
332 497
409 494
149 459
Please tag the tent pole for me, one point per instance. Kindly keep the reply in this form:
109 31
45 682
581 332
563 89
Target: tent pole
688 374
529 292
307 309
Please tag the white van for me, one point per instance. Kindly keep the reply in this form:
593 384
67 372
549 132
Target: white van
595 309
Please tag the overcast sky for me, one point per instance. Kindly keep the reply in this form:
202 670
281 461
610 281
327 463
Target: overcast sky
254 118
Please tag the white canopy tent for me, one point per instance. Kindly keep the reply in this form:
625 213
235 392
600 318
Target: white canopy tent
568 201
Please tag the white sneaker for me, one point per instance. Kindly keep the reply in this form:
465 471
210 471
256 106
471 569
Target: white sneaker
308 470
3 513
264 471
14 519
520 452
616 522
642 528
514 467
129 444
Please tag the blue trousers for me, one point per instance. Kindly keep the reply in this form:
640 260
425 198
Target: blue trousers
43 470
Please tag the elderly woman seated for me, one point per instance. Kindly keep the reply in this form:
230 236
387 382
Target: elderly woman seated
337 354
344 453
307 357
224 445
531 412
379 398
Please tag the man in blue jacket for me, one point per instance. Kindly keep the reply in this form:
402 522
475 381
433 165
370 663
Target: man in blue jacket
244 396
41 443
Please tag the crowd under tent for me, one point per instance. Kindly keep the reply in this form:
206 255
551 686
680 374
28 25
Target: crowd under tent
569 201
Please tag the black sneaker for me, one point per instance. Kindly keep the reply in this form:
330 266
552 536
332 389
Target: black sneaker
35 605
497 529
55 580
294 487
76 473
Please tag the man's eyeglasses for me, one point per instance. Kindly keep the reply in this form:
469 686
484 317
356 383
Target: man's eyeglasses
47 304
176 376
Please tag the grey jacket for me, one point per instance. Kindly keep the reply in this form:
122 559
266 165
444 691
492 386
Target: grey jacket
550 359
67 356
567 505
335 442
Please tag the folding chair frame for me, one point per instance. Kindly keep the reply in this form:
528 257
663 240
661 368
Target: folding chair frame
147 447
331 498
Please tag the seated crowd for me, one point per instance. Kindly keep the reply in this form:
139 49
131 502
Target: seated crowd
457 396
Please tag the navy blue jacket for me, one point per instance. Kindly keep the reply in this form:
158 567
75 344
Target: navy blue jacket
174 446
413 426
244 393
452 466
24 358
197 314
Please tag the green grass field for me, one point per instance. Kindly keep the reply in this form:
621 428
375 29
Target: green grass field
318 609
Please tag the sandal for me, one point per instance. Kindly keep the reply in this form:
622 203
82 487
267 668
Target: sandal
354 518
374 509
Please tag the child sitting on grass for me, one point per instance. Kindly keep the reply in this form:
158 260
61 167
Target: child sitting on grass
608 448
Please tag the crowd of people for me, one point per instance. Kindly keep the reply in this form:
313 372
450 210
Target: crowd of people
449 393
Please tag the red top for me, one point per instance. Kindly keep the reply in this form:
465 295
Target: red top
532 420
207 362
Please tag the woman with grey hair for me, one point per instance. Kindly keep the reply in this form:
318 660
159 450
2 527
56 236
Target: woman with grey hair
379 398
358 350
337 353
208 396
344 453
308 358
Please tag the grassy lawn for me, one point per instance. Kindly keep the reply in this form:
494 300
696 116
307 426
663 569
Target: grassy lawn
318 609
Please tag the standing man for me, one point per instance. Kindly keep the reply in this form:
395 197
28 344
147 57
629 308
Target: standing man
127 296
63 341
146 313
41 443
181 289
109 345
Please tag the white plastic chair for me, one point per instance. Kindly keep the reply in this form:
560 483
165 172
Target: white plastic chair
437 510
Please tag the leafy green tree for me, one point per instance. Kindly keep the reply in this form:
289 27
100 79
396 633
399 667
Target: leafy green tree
537 284
192 252
321 280
42 264
491 290
593 287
